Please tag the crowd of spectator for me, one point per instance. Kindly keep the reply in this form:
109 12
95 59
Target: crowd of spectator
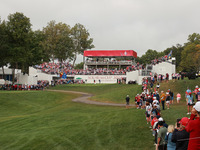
139 66
161 59
185 134
42 84
54 68
58 68
68 69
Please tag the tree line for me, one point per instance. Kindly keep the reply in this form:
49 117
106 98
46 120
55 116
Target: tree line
21 47
187 55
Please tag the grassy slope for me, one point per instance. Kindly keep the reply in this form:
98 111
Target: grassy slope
105 92
49 120
178 110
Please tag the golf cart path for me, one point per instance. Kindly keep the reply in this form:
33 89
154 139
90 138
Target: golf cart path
84 98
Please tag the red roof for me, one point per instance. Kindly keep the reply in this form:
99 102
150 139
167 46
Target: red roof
110 53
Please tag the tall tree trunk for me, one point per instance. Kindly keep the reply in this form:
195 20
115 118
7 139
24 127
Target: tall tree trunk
3 73
13 75
27 69
13 72
74 59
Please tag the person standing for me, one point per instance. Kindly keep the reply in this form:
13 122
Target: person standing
157 96
186 94
168 98
180 136
162 98
162 145
190 102
193 128
127 101
170 145
171 96
167 77
198 95
158 86
178 96
148 112
196 90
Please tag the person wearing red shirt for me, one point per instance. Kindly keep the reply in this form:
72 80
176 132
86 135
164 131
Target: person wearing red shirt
196 90
154 120
137 99
193 128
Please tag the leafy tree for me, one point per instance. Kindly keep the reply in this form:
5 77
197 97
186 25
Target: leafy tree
148 56
81 40
3 46
18 30
64 47
57 42
37 54
176 52
79 66
191 54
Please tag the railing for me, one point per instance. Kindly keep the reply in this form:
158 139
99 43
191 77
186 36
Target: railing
144 72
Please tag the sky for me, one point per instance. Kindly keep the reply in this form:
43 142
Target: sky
136 25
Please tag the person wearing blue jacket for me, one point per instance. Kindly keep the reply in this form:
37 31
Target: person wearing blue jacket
170 145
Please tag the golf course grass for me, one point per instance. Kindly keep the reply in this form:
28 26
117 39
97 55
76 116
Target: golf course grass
112 93
43 120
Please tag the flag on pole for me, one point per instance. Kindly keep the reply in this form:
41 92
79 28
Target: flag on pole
64 76
169 56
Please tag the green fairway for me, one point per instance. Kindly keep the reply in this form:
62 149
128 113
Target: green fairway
41 120
113 93
49 120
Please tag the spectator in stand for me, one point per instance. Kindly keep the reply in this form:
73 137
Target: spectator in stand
178 96
190 102
170 145
193 128
168 98
163 97
180 136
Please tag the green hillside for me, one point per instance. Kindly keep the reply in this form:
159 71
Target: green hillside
50 120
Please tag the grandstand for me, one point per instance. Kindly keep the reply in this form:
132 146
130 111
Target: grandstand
100 66
109 58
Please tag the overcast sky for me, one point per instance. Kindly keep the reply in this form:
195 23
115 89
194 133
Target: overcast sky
116 24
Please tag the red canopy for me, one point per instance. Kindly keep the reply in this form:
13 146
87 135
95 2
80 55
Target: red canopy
110 53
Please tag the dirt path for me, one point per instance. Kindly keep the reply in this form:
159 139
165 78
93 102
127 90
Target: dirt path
85 96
